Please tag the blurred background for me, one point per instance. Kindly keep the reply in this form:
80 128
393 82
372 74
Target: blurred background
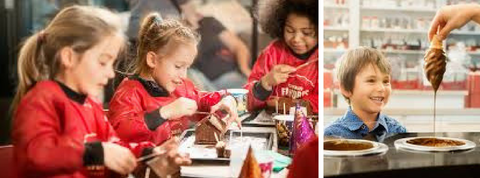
399 29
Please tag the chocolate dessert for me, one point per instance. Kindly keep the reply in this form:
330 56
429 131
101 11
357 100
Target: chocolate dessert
343 145
435 142
435 63
222 152
205 130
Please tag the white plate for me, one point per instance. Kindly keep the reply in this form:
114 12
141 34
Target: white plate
378 148
402 143
283 117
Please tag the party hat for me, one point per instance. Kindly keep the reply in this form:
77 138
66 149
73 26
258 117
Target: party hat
250 168
302 132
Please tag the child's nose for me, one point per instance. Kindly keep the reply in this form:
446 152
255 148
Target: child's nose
381 86
183 73
297 37
111 73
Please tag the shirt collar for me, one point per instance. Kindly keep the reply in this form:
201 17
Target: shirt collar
77 97
354 122
152 87
382 121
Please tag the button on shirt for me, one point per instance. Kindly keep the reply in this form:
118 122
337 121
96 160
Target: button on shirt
352 127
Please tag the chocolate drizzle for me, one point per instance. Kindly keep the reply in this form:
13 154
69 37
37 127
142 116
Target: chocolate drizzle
435 63
435 66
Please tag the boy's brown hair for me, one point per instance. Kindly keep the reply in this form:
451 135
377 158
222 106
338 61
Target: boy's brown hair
354 60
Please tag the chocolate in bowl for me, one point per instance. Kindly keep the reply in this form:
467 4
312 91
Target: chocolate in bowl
435 142
344 145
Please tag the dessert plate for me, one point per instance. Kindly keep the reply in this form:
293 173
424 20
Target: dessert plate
427 144
352 147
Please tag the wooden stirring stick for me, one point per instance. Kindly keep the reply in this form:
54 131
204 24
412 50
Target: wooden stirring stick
276 106
306 64
143 158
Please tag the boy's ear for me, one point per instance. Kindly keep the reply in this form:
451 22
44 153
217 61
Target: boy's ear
345 93
151 59
67 57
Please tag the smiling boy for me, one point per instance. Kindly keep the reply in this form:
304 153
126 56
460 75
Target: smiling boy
364 76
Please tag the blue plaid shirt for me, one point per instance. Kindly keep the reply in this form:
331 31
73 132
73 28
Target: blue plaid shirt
352 127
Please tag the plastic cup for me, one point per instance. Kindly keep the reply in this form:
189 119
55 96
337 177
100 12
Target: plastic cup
240 95
265 161
238 154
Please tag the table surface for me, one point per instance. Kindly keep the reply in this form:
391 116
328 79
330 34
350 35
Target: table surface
401 163
219 169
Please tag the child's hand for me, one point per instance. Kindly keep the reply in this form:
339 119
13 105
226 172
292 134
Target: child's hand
230 105
178 108
169 160
118 158
277 75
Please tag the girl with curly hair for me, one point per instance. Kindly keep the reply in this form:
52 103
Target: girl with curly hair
286 70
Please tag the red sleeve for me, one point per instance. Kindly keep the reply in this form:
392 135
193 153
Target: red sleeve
40 143
126 115
313 99
136 148
205 100
305 161
260 69
111 135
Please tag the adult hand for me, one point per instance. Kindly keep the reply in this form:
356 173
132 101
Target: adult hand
451 17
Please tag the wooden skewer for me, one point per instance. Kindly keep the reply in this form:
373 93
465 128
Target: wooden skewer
241 135
306 64
276 106
284 112
147 172
143 158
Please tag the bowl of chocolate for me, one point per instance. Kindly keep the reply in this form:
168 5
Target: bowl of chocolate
352 147
434 144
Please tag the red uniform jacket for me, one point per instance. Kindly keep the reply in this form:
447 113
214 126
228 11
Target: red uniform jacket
52 131
305 161
134 109
302 84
